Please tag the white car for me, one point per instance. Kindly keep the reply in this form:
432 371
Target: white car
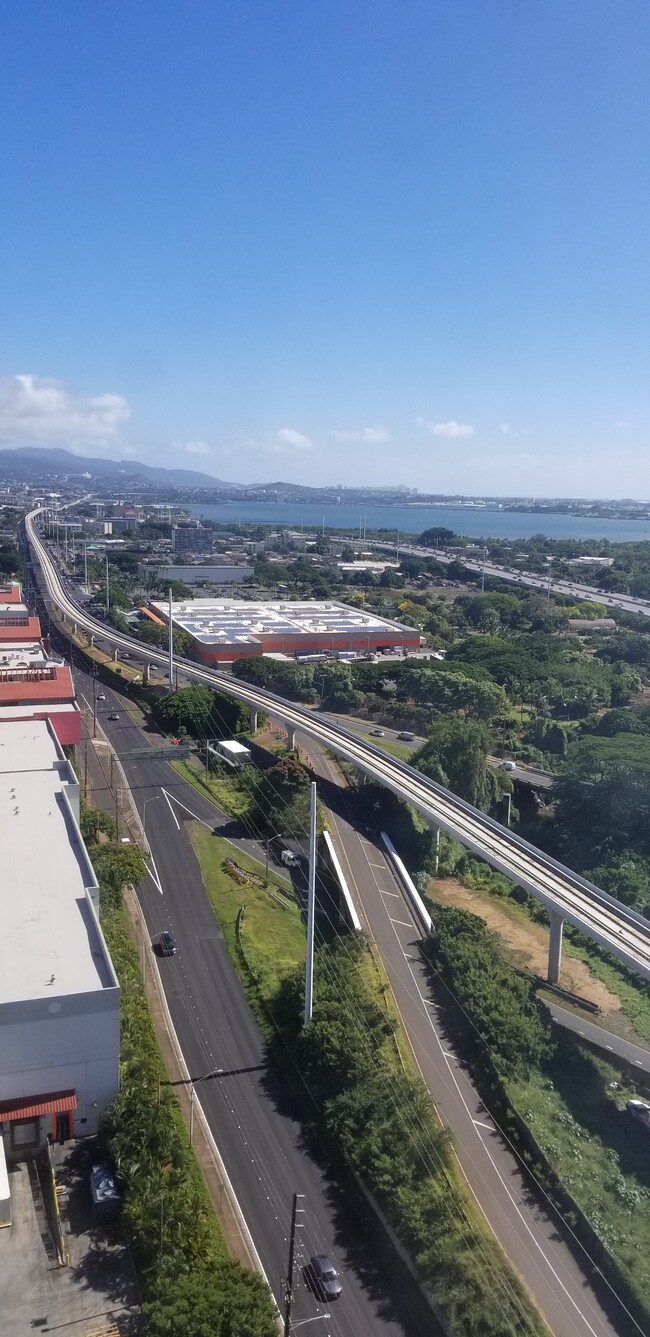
289 859
640 1110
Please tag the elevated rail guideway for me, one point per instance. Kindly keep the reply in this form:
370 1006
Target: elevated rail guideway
566 895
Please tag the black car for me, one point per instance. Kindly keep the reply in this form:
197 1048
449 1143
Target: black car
324 1277
167 944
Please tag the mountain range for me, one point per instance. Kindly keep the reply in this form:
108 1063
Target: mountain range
26 461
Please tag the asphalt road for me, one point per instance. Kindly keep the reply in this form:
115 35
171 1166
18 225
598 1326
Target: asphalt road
574 588
529 1233
527 775
635 1055
262 1146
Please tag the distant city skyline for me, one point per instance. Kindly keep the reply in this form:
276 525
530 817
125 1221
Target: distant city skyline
368 245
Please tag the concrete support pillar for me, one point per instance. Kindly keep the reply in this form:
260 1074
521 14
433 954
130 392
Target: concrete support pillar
253 718
291 739
145 675
361 776
92 642
74 628
437 863
555 948
116 655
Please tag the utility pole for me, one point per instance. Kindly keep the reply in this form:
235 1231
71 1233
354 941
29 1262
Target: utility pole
94 700
86 567
508 806
311 906
108 593
288 1285
171 644
483 572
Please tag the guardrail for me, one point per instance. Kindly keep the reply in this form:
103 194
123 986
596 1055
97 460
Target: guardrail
408 886
349 910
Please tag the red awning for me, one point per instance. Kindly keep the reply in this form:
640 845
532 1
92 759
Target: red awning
30 1107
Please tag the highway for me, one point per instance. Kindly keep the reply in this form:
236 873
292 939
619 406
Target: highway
527 1228
619 929
575 589
263 1146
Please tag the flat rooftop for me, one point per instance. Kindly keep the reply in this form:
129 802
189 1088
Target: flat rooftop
50 943
238 621
17 655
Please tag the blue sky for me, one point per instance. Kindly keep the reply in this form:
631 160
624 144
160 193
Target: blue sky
326 241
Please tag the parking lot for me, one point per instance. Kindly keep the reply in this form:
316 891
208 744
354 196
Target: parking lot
95 1295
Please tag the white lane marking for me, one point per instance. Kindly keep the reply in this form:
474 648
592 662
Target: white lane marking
403 923
155 876
166 798
171 798
390 893
539 1246
488 1126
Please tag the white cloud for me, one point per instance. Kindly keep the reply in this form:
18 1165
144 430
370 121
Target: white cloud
363 434
286 441
40 409
193 447
448 429
507 430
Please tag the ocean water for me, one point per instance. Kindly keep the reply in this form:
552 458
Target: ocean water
414 519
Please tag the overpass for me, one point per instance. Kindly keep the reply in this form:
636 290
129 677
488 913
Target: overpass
566 895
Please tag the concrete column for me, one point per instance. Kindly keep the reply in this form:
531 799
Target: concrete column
116 655
253 718
555 948
145 675
74 628
291 739
437 864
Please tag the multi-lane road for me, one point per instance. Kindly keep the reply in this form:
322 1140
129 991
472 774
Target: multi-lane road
575 589
261 1143
613 925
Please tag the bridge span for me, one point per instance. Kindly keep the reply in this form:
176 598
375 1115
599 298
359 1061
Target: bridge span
566 895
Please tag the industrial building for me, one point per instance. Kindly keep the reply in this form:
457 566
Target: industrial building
223 630
34 684
59 995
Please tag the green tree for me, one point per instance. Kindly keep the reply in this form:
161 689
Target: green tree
455 755
220 1299
116 866
190 708
281 798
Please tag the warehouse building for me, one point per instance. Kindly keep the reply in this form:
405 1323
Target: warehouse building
59 995
223 630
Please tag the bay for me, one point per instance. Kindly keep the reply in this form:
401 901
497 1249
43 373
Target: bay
408 520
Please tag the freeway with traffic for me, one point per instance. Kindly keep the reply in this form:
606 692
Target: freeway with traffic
575 589
622 931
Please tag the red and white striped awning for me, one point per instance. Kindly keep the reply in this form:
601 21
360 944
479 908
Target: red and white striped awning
31 1107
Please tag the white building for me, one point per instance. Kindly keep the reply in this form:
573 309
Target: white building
59 995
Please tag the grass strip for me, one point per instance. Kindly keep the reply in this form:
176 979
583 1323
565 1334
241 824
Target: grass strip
346 1065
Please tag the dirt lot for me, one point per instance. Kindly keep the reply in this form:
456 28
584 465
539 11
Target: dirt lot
527 941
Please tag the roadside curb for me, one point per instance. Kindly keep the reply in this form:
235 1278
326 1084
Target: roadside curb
218 1183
